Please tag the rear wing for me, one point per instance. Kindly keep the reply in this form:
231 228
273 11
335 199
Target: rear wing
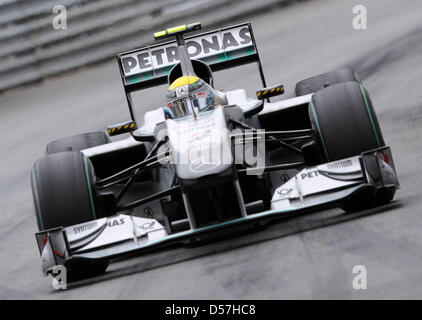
220 49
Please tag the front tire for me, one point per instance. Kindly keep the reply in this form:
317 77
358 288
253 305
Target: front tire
345 125
63 189
344 121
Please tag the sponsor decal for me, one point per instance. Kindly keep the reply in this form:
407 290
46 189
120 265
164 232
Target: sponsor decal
309 175
147 225
117 222
340 164
199 47
85 227
284 192
182 91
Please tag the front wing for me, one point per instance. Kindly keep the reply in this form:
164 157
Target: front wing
325 185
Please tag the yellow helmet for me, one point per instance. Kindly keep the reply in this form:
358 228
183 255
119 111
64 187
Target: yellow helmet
182 81
187 93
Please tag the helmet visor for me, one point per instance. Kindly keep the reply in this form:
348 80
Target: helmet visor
179 108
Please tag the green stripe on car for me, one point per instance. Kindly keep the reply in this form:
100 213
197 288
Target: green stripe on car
319 130
362 90
91 198
37 199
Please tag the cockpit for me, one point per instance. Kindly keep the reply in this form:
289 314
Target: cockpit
187 96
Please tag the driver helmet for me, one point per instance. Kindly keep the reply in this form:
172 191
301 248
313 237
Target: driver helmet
187 96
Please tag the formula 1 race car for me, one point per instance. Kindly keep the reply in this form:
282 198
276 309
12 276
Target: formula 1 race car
208 163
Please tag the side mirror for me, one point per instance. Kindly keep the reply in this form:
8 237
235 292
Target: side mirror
270 92
143 136
148 133
119 128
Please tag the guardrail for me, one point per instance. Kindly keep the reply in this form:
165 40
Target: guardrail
31 49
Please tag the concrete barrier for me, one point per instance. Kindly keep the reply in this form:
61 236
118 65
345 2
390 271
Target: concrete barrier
31 49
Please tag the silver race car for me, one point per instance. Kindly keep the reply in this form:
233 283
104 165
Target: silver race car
208 163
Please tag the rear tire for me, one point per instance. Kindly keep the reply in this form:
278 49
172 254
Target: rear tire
78 142
319 82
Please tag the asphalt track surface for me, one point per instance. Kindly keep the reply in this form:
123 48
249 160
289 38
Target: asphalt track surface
307 257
